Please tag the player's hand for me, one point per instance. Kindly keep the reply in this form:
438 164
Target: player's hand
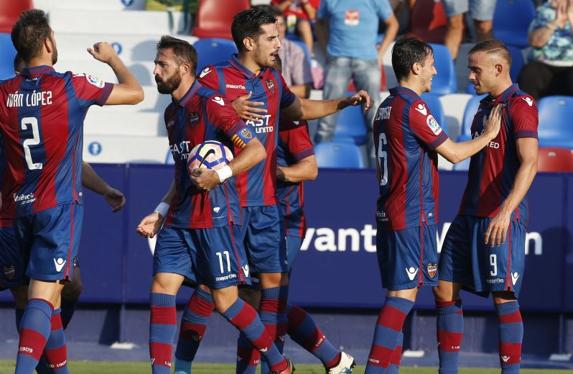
497 230
150 225
493 123
359 98
249 110
103 51
115 199
205 179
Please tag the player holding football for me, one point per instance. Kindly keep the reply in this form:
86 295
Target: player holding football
407 141
260 95
484 248
41 119
203 218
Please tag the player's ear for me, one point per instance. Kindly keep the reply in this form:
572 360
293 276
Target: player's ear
249 43
499 68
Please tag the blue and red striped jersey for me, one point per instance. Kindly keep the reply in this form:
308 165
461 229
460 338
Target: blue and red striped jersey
294 145
257 187
41 119
202 115
492 170
406 135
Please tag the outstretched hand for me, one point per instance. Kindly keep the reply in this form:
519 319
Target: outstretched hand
359 98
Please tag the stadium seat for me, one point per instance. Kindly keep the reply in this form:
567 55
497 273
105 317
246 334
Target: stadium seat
351 124
517 62
213 51
436 108
340 155
555 160
214 17
469 113
511 21
10 11
7 53
445 82
555 129
428 21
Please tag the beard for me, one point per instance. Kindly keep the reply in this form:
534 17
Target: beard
169 85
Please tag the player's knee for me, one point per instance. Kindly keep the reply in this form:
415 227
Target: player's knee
271 280
444 293
164 285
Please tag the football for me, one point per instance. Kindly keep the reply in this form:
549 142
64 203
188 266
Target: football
211 155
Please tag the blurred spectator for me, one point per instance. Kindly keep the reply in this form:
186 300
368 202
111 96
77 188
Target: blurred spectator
299 14
550 69
295 64
348 30
481 12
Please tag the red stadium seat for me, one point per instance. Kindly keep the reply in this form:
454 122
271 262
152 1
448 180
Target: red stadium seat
10 11
214 17
555 160
428 21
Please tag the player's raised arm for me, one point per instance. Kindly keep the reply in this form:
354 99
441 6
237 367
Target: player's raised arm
307 109
128 90
456 152
92 181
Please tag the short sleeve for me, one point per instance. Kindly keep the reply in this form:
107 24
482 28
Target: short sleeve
294 135
90 89
424 125
384 9
524 117
222 115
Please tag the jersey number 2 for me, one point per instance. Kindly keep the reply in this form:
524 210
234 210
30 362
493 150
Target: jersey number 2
31 122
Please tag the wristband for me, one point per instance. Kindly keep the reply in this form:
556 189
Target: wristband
162 209
224 173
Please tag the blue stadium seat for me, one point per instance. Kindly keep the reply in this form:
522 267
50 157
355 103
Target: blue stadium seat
517 62
555 129
342 155
351 124
436 108
445 82
213 51
469 113
7 53
511 21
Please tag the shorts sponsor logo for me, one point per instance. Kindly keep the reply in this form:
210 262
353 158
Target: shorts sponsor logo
59 264
495 281
225 277
432 270
411 272
245 270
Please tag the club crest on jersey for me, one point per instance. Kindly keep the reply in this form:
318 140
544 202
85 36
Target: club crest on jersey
95 81
422 109
193 117
433 125
432 270
246 134
9 272
270 85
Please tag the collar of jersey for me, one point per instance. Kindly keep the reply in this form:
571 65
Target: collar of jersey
37 70
189 94
246 72
504 97
404 92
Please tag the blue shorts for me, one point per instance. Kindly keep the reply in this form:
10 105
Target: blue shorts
481 10
291 246
212 257
479 268
407 258
262 238
12 259
51 239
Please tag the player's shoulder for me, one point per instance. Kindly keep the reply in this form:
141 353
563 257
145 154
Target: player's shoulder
521 99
